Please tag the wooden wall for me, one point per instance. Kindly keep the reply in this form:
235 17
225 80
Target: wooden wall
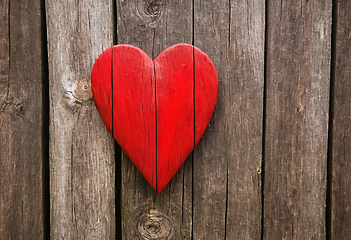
274 162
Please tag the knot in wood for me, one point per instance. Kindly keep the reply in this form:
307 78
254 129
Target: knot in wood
148 223
78 93
11 107
83 90
155 225
153 8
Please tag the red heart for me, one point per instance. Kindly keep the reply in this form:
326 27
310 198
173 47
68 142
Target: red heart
149 106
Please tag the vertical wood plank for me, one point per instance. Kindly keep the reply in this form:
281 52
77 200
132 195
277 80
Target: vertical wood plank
341 137
154 25
21 207
298 72
227 161
82 172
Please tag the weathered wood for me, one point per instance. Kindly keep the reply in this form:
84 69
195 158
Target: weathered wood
82 172
221 198
341 127
154 25
21 66
227 161
298 73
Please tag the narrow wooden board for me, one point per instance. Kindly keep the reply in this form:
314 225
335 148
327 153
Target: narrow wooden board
341 127
133 102
227 160
298 74
82 172
153 26
21 153
175 110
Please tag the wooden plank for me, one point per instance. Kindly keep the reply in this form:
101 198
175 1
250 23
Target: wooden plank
174 69
153 26
227 161
341 127
298 73
82 172
21 207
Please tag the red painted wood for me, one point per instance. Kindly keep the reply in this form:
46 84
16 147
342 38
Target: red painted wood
101 87
152 112
175 110
206 89
134 119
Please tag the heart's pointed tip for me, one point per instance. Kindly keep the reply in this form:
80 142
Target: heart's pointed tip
155 189
159 190
162 185
153 184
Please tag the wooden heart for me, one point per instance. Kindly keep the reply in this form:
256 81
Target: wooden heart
156 110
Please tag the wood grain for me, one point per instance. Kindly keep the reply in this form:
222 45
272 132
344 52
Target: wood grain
227 161
174 69
21 66
217 193
136 95
82 172
298 73
154 25
341 127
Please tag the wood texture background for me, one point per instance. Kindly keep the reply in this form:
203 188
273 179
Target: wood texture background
21 116
227 161
297 103
82 172
272 164
341 131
